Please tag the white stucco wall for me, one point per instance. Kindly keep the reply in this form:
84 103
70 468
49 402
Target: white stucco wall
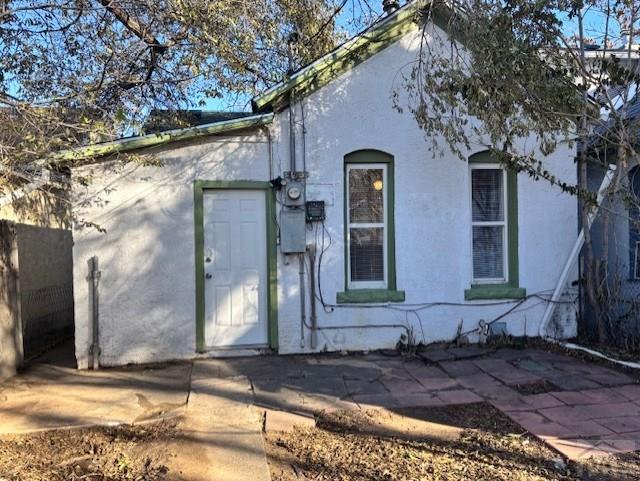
432 216
146 256
147 310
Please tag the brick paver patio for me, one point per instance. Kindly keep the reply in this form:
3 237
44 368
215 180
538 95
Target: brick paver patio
586 410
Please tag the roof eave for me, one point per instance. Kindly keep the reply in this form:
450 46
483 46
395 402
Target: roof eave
160 138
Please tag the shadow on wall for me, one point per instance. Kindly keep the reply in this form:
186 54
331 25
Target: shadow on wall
146 248
36 291
45 209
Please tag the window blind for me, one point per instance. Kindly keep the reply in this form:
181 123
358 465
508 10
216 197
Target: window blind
367 255
488 224
366 224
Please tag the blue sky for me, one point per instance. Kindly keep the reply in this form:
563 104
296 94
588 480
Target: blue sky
593 25
344 21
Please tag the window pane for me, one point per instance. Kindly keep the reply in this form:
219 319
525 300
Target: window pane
488 252
487 195
366 195
366 254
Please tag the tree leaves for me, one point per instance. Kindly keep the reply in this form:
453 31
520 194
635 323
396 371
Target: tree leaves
499 75
73 71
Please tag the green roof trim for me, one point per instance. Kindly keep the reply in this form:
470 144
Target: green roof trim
345 57
160 138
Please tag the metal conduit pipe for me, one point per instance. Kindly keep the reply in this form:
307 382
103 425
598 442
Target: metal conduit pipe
312 288
303 305
94 281
292 134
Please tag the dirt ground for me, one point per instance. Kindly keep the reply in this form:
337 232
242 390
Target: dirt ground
138 453
490 448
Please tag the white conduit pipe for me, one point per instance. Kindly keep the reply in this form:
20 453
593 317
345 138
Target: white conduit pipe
576 347
573 256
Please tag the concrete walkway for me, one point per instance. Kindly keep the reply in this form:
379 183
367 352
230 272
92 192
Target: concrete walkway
579 408
221 429
48 397
222 438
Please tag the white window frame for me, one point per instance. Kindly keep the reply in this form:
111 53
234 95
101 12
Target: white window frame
384 225
504 223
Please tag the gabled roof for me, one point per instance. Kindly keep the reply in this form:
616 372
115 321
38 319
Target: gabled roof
161 120
351 53
151 140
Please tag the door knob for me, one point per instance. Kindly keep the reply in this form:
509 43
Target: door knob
208 276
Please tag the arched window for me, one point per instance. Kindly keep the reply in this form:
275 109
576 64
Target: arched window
370 274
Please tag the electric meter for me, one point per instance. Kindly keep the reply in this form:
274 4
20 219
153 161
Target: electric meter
294 192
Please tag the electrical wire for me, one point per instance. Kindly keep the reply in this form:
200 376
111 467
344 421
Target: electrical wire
515 305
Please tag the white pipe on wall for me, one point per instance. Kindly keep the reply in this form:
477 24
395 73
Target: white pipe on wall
573 256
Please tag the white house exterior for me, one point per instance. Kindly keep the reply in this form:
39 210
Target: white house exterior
192 265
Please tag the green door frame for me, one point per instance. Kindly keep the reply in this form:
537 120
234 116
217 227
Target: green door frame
199 187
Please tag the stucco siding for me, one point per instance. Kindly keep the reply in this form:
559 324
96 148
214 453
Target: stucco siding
147 290
432 216
146 255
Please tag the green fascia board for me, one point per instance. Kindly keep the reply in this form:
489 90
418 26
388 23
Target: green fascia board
161 138
494 291
199 186
369 296
345 57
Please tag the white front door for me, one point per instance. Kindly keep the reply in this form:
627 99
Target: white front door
235 267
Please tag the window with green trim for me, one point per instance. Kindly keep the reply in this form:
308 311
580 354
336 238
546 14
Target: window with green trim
369 253
494 230
489 224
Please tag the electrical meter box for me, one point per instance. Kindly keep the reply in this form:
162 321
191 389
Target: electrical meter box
294 193
315 210
293 231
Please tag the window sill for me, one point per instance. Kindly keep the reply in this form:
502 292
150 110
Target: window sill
373 296
494 291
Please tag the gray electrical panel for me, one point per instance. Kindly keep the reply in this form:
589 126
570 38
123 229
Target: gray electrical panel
292 231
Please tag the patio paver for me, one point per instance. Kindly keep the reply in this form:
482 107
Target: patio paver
621 425
631 392
592 411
